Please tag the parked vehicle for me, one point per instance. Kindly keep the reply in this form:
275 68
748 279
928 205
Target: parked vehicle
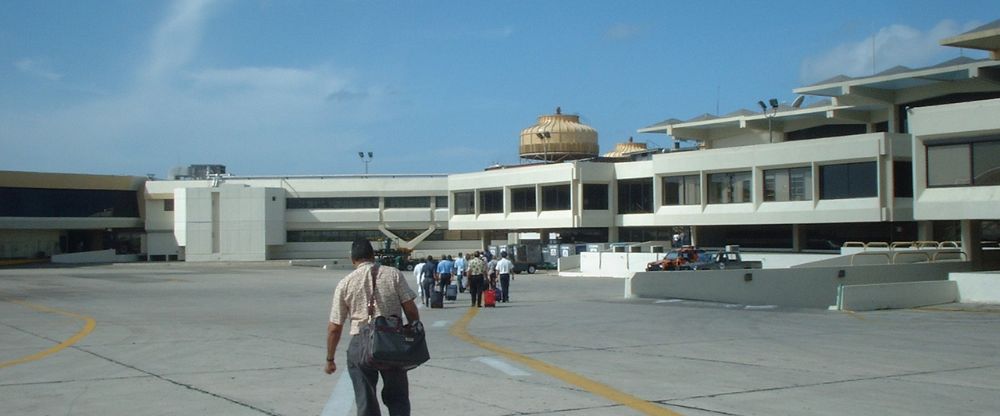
722 260
676 259
526 257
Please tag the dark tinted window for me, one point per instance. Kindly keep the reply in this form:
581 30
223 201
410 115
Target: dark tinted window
465 203
332 203
849 180
902 178
491 202
407 202
635 196
555 198
682 190
39 202
595 196
441 201
522 200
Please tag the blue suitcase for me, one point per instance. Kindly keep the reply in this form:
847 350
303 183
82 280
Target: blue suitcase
452 292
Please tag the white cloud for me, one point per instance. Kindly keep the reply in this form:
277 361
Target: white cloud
35 68
890 46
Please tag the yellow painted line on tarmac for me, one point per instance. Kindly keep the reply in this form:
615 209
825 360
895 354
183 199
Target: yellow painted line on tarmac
88 327
460 331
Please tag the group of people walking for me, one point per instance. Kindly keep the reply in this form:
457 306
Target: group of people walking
476 272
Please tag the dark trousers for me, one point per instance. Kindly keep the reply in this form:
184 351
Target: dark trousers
426 286
476 287
395 389
504 287
445 282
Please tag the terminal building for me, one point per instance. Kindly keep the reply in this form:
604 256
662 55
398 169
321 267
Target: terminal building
907 154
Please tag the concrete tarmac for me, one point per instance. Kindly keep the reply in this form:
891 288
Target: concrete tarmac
248 339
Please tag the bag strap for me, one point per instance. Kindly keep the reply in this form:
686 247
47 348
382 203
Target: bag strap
371 299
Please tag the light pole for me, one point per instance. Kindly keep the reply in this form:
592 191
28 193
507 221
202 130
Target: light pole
366 161
770 117
544 136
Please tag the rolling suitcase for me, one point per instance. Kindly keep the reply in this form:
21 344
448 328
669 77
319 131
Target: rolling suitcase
490 298
452 292
437 299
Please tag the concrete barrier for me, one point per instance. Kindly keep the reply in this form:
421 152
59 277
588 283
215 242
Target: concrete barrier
981 287
86 257
813 287
896 295
569 263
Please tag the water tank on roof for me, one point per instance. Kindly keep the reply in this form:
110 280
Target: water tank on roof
558 137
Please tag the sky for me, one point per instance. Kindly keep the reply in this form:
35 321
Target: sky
296 87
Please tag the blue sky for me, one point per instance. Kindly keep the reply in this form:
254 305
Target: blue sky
299 87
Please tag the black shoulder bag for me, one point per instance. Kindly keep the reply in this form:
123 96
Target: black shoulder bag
388 344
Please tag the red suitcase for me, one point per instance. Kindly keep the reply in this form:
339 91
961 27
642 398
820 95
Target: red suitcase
490 298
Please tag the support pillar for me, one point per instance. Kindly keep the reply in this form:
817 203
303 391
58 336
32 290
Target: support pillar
613 234
972 242
695 231
798 237
925 230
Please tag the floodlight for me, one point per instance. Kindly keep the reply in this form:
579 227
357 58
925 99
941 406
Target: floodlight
763 107
774 103
361 155
370 155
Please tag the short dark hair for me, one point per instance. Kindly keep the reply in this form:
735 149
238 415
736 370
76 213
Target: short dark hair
503 254
430 257
361 249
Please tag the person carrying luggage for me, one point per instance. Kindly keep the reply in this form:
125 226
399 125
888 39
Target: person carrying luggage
477 269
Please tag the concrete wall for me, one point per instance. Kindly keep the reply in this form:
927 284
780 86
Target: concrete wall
23 244
799 287
230 222
896 295
94 257
980 287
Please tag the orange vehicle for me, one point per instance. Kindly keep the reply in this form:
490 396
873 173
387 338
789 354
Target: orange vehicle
676 259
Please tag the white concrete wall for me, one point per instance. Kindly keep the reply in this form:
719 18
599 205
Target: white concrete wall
814 287
162 243
979 287
896 295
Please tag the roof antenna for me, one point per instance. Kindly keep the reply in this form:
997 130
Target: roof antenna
558 110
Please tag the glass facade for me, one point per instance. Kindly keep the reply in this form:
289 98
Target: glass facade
491 201
465 203
793 184
682 190
849 180
441 202
974 162
332 203
635 196
522 200
730 188
555 198
595 196
73 203
407 202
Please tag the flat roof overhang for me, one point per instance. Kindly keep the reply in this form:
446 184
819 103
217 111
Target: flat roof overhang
700 129
889 83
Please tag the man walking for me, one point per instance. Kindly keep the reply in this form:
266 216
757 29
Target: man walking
504 269
427 280
392 296
444 269
477 280
460 266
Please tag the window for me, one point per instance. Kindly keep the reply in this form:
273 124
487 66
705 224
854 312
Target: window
555 198
635 196
74 203
317 236
730 188
973 163
902 178
168 204
849 180
465 203
332 203
441 202
491 202
522 199
682 190
595 196
793 184
407 202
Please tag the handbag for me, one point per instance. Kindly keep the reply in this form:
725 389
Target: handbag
388 344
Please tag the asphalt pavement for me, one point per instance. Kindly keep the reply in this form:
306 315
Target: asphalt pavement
248 339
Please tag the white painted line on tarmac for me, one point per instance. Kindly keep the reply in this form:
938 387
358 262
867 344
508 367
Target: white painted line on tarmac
502 365
669 301
342 399
761 307
439 324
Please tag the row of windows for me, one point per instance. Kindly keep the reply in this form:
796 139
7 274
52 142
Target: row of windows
554 198
326 236
849 180
973 163
365 202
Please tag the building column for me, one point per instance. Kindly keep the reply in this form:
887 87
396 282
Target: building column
613 234
925 230
694 235
972 242
798 237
